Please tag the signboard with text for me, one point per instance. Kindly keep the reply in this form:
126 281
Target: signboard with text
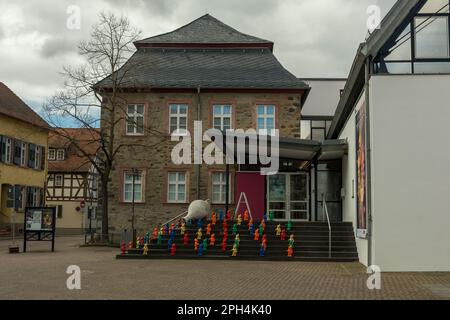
39 225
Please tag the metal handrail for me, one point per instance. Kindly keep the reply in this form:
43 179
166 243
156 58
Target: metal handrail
324 204
175 218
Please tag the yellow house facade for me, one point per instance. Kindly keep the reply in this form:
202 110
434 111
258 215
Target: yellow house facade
23 160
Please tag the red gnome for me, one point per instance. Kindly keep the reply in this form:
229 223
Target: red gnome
173 250
186 239
224 246
155 234
283 235
212 240
124 248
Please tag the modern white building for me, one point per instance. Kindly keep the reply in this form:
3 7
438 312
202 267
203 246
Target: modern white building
394 114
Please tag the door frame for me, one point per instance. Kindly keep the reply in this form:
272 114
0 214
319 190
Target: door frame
288 195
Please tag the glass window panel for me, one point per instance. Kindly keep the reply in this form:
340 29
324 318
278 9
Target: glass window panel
299 206
172 177
318 134
279 215
277 188
299 215
432 67
432 39
270 123
270 110
299 186
402 48
140 109
305 128
173 108
227 110
318 124
217 110
183 122
434 6
131 109
227 122
398 67
277 205
172 196
181 177
261 123
260 110
183 109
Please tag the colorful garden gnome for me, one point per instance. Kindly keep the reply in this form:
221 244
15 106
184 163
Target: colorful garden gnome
123 248
145 251
262 251
200 250
224 245
291 240
246 217
138 242
289 226
256 237
205 244
220 215
213 219
166 229
271 216
146 238
290 251
200 223
237 240
208 229
155 234
252 230
196 244
261 229
186 239
265 217
263 224
173 249
239 220
250 223
199 234
228 216
162 230
278 230
183 228
264 243
130 245
159 239
172 234
225 224
234 229
169 243
234 251
212 240
283 235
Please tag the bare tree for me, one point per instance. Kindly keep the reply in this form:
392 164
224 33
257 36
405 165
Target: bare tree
101 109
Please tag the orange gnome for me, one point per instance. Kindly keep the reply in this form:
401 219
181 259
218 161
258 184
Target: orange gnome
246 216
290 252
256 235
208 229
212 240
213 218
196 244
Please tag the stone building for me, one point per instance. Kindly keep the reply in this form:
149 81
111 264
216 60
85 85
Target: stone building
205 71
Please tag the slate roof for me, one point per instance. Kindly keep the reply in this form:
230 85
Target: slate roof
187 59
75 161
12 106
209 69
204 30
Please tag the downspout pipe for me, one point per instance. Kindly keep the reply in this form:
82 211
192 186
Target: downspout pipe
368 162
197 166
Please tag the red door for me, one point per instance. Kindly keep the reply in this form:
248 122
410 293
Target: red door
253 184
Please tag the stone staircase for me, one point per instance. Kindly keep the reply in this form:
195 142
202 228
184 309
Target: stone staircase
311 244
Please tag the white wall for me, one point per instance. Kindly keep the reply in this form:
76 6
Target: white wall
323 97
349 178
410 132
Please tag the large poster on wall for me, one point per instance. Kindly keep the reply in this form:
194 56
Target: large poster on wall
361 182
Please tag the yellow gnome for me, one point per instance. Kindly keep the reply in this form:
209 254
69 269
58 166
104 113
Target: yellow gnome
278 230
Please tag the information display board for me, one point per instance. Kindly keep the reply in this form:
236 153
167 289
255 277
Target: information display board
39 225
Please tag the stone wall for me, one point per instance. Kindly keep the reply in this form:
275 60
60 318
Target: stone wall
152 152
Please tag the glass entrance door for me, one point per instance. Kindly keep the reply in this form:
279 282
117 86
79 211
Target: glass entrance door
288 196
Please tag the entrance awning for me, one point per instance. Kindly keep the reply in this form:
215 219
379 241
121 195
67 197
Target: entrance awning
245 145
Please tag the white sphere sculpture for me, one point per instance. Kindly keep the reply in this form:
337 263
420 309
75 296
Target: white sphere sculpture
198 209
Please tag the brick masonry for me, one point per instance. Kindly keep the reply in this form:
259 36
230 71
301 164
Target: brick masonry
152 152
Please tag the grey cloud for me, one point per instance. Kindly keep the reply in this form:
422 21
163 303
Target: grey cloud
56 46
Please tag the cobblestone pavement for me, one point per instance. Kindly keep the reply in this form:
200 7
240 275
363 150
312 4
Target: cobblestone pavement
41 274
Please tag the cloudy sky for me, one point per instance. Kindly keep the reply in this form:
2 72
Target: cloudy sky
313 38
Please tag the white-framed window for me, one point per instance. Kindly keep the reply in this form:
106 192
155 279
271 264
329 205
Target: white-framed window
37 159
60 154
23 153
135 119
265 117
219 187
8 151
176 187
59 180
178 117
128 187
51 154
222 117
